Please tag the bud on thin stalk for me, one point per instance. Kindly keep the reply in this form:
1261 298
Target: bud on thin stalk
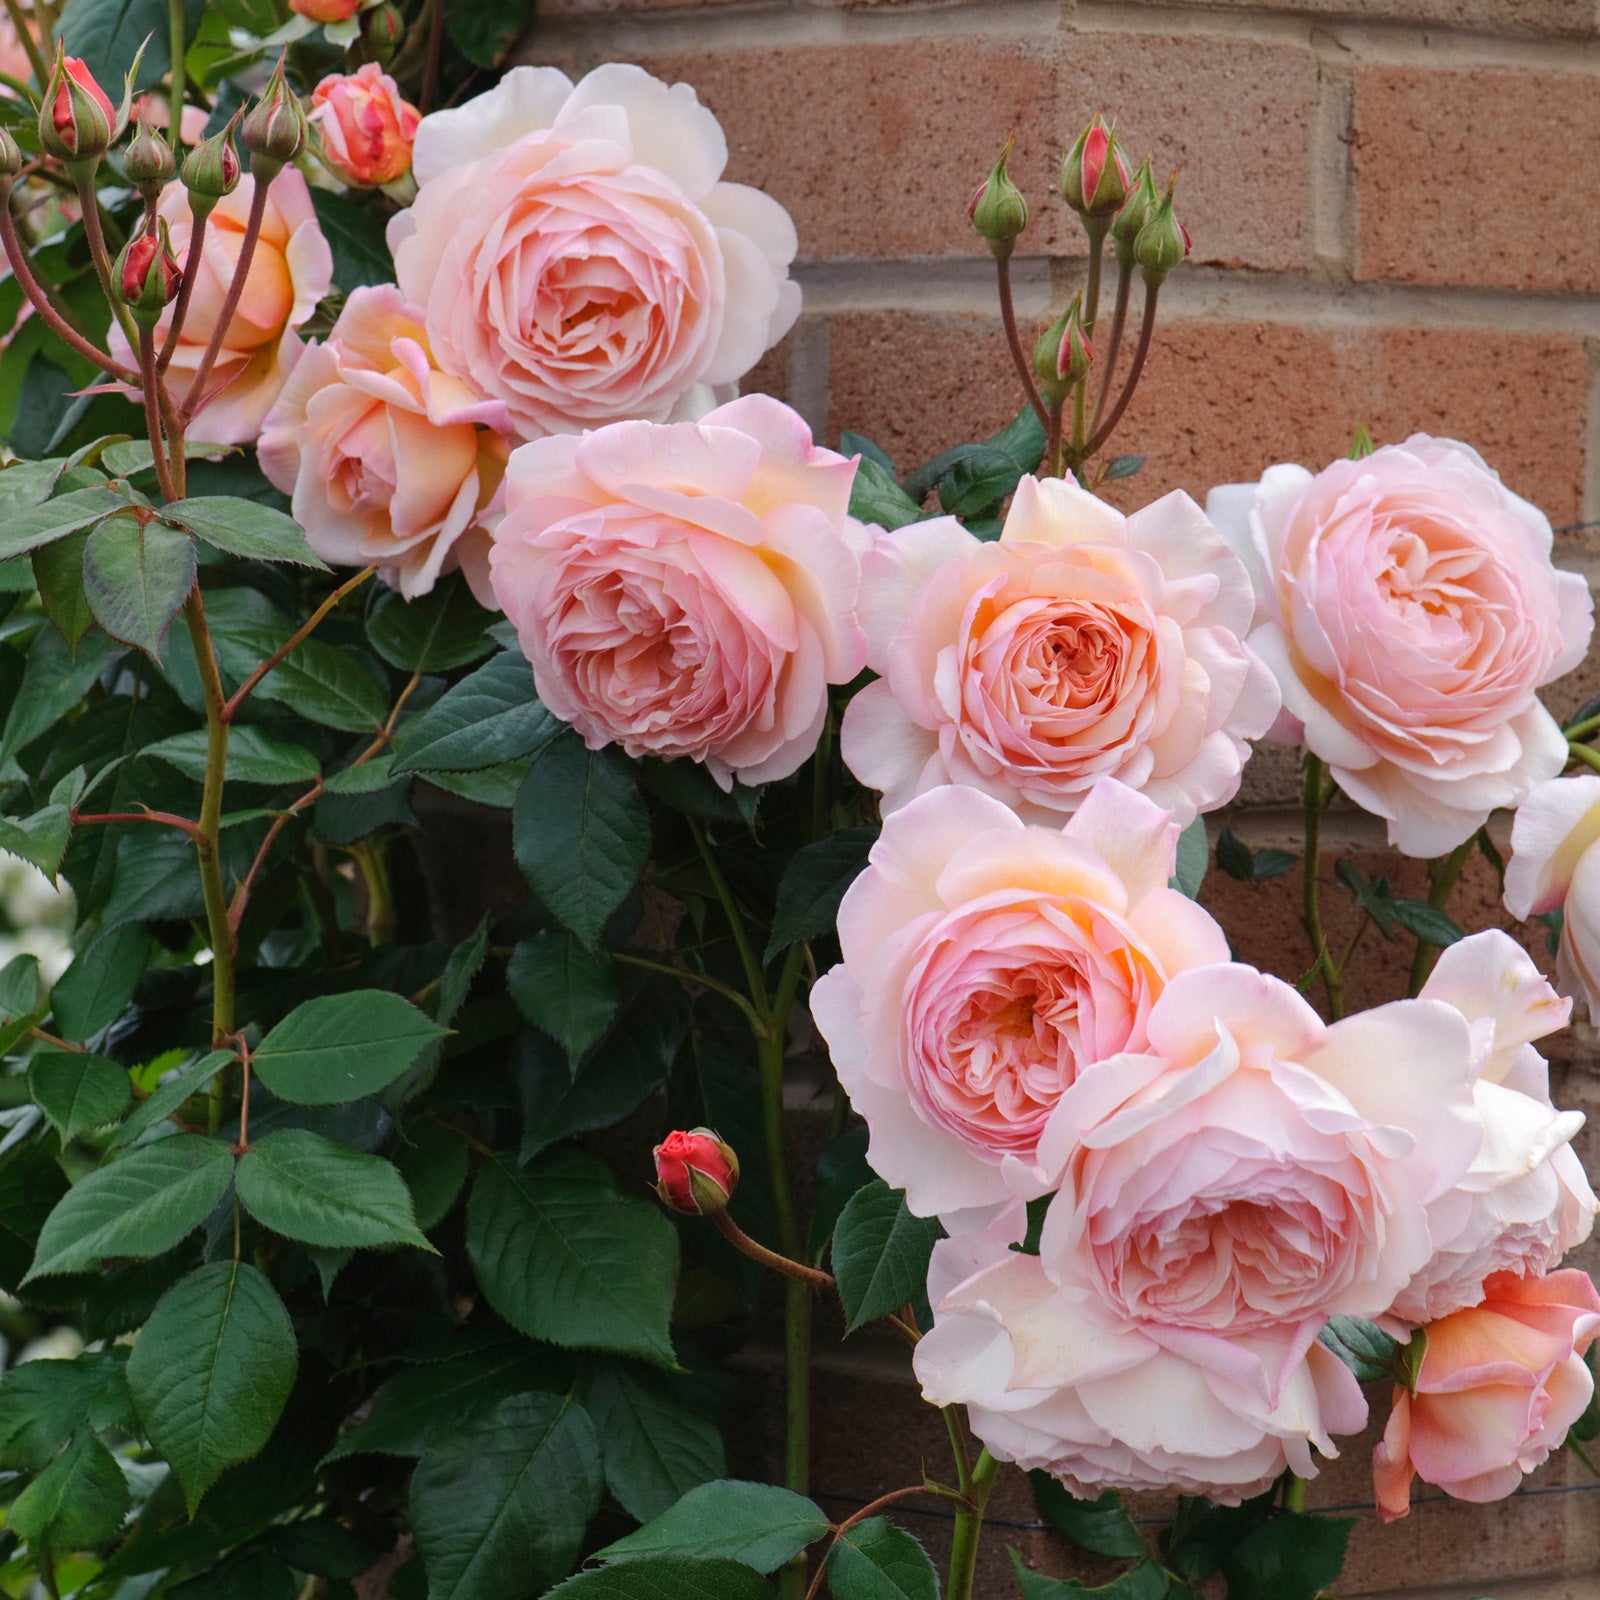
77 121
696 1172
149 162
147 274
382 28
1162 242
1094 181
1142 195
998 210
1061 357
210 172
274 131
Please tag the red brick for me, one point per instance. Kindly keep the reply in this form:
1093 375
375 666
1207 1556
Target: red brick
1513 17
1222 401
1477 177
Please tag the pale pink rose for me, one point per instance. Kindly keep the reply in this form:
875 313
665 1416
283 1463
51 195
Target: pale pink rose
579 257
1525 1201
1408 605
986 964
290 271
157 111
389 461
1084 644
367 129
1256 1167
1554 864
1498 1387
686 589
1054 1379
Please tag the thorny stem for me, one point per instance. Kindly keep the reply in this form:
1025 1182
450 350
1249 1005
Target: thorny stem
89 199
958 1446
1113 344
1008 318
244 1099
180 306
150 383
1315 802
241 271
208 846
741 938
1443 875
1052 447
742 1242
1147 328
50 1039
938 1491
969 1526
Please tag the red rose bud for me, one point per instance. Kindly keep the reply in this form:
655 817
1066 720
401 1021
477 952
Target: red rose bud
275 130
1094 181
77 121
1074 353
1162 243
998 210
696 1173
211 171
10 157
1142 196
382 28
1062 355
149 162
148 275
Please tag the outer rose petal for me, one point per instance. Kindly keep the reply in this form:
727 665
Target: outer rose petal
1552 829
525 100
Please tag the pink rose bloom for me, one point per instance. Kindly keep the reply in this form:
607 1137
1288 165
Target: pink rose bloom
1084 644
367 129
686 589
1054 1379
290 271
986 964
155 110
1497 1389
1525 1201
1256 1168
1408 605
579 257
1554 864
389 461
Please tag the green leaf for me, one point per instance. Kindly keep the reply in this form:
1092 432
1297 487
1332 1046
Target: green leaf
250 1574
876 498
874 1560
170 1095
500 1505
1122 467
139 1206
320 1192
137 576
486 720
41 838
1363 1347
581 832
92 993
31 1186
253 757
55 519
857 444
244 528
980 479
1194 856
58 576
1146 1581
566 1257
1292 1557
670 1578
124 458
322 1546
442 629
484 31
656 1445
77 1091
1427 922
433 1161
77 1502
109 34
211 1370
841 1170
355 234
326 686
1023 439
343 1047
756 1524
44 1403
814 883
569 992
1238 860
54 682
21 988
880 1253
1102 1525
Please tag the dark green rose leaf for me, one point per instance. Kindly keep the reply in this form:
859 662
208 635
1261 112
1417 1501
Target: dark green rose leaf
880 1253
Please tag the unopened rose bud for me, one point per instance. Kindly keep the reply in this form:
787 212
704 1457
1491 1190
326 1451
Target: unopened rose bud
210 172
1142 196
1162 243
696 1173
275 130
148 275
149 162
382 28
10 157
77 121
1062 356
1094 181
998 210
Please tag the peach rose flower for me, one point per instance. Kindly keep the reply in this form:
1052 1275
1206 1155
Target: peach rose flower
326 10
579 257
290 271
686 589
1498 1386
1054 1379
986 964
387 459
1408 605
1554 865
367 129
1084 644
1525 1201
1255 1167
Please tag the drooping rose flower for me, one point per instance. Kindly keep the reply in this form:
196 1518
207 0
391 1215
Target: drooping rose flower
367 130
579 257
1408 605
1084 644
686 589
986 964
1054 1379
1554 864
1498 1387
290 271
387 459
1525 1201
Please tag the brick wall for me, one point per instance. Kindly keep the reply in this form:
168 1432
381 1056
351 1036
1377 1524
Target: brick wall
1393 208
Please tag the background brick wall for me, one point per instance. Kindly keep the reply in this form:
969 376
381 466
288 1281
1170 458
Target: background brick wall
1393 205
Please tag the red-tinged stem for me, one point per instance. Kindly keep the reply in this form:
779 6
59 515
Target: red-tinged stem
1052 448
1008 317
151 385
741 1241
1147 327
55 1043
84 819
241 271
1113 345
180 306
936 1491
241 895
208 846
89 201
244 1099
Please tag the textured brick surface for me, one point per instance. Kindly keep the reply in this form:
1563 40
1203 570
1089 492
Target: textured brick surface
1511 17
1455 173
1222 401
